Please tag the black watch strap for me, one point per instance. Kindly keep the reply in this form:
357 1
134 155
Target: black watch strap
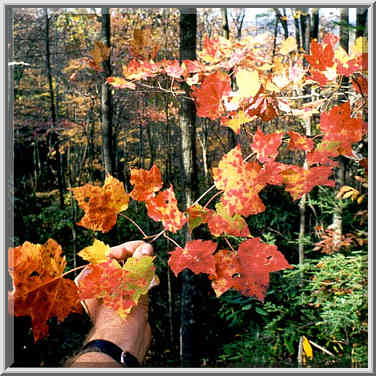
114 351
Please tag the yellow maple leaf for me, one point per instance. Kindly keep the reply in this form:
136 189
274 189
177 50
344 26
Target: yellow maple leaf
307 348
360 46
239 118
248 83
95 253
288 45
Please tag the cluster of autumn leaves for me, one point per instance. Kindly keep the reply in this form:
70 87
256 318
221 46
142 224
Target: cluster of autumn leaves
40 289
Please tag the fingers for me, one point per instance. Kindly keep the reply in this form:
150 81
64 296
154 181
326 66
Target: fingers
136 248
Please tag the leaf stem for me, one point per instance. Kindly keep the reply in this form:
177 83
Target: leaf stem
212 198
203 195
138 227
172 240
229 244
155 237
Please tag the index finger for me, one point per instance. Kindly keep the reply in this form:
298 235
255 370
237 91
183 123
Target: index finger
135 248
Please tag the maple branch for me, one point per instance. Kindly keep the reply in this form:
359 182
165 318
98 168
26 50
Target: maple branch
249 156
229 244
138 227
155 237
203 195
73 270
56 278
212 198
172 240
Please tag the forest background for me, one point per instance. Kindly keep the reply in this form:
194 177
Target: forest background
84 107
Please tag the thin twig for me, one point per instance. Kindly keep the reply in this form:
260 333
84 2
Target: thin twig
172 240
212 198
321 348
138 227
155 237
203 195
229 244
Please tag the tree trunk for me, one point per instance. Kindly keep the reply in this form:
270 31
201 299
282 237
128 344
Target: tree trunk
225 25
340 173
315 23
305 26
54 136
361 22
106 99
187 118
283 20
297 29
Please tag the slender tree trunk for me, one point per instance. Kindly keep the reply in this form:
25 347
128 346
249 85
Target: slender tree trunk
106 99
283 20
225 25
340 173
315 23
54 136
305 26
361 22
297 28
187 118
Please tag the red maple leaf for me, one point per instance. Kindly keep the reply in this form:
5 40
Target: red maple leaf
226 271
300 142
323 154
299 180
221 222
360 84
208 97
164 207
197 256
256 261
264 105
271 173
321 57
120 287
146 183
240 183
266 145
338 126
174 69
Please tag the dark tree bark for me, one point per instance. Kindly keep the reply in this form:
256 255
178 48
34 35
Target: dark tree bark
283 20
297 29
305 27
187 119
106 99
225 25
54 135
361 22
315 23
340 175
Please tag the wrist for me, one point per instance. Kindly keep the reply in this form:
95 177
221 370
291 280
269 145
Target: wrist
125 342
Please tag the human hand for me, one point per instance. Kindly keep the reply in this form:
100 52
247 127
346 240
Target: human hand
134 333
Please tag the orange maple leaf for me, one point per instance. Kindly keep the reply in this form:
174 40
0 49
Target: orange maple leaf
39 289
101 204
120 287
146 183
226 270
221 222
240 183
164 207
